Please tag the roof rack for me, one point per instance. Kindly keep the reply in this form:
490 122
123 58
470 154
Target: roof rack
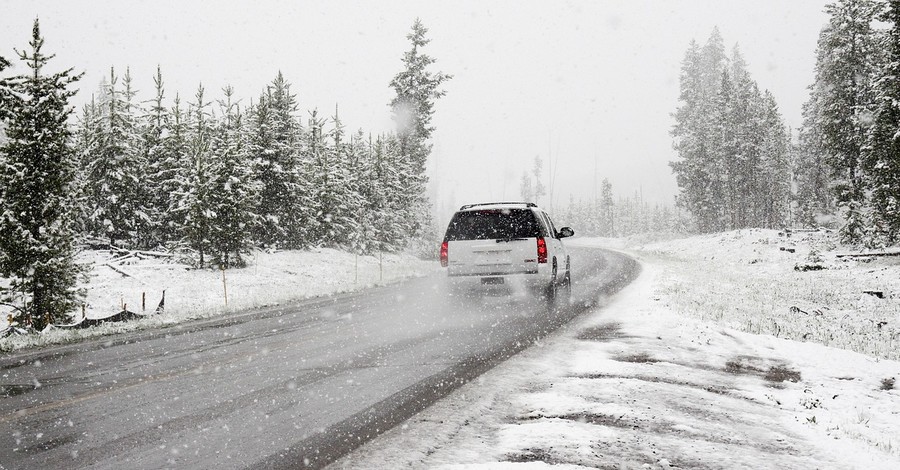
469 206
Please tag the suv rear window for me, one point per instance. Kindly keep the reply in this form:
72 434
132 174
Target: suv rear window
493 224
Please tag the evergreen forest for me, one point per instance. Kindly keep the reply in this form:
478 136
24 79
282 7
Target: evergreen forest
203 175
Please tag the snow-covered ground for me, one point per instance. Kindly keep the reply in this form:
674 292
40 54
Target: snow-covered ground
683 370
271 278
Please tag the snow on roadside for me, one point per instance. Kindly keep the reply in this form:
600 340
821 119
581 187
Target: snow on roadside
643 383
792 286
271 278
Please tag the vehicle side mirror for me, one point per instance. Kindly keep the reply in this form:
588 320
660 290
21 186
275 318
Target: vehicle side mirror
565 232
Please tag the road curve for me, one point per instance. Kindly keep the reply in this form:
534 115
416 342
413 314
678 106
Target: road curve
286 387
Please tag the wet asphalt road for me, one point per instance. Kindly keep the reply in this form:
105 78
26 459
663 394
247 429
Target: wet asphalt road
295 386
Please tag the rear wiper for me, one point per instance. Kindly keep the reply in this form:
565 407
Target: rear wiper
507 240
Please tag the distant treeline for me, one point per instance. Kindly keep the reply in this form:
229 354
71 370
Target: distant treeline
608 216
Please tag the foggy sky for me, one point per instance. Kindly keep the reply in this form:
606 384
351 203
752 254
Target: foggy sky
589 86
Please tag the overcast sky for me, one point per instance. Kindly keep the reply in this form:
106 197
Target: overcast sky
588 86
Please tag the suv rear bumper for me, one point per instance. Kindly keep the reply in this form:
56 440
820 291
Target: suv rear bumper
489 280
492 273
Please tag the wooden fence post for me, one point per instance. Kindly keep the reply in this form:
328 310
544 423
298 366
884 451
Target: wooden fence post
224 285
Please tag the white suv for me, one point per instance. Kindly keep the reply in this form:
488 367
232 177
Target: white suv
506 244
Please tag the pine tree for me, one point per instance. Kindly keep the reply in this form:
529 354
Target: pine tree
275 144
607 210
37 181
172 174
5 97
115 184
526 188
882 163
416 90
364 182
845 63
334 190
87 133
196 191
325 177
163 159
234 192
745 152
536 171
692 133
772 184
721 145
396 216
383 220
812 175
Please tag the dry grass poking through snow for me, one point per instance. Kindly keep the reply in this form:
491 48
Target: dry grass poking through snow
788 285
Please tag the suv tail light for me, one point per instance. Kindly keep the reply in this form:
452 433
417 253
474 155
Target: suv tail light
541 249
444 253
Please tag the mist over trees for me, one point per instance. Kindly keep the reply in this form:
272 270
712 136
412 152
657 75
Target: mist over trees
733 165
848 159
208 177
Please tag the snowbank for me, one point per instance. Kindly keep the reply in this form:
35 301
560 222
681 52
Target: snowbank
790 285
270 279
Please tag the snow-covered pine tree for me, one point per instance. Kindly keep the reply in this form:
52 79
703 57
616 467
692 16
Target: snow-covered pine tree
537 171
163 158
362 178
37 179
397 216
335 195
721 146
194 195
5 97
845 64
350 154
234 192
607 210
321 162
772 183
374 199
417 89
812 175
713 61
691 133
526 188
87 134
882 162
115 184
176 147
275 144
744 147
